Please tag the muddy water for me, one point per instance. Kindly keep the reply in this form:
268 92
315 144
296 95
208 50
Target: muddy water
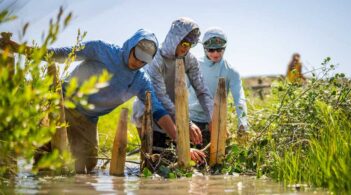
102 183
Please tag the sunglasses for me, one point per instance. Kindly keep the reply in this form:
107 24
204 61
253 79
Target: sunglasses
217 50
187 44
143 63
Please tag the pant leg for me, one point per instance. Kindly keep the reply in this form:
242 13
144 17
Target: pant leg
83 138
159 139
39 152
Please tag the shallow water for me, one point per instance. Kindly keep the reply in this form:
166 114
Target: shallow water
102 183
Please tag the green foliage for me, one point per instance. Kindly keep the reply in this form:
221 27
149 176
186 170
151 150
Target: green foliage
5 16
26 100
147 172
302 133
30 102
174 173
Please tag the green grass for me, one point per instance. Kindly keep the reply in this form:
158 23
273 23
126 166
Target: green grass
107 129
302 134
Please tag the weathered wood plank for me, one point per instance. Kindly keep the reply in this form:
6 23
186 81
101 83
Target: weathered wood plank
119 145
182 115
219 125
146 131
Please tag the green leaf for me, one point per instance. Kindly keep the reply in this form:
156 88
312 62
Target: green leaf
147 172
172 176
164 171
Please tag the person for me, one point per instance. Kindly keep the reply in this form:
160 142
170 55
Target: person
214 66
128 80
183 34
294 72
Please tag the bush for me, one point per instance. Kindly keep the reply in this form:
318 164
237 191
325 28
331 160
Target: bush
300 130
28 99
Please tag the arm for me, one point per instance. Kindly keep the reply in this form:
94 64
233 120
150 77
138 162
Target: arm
88 50
201 91
159 113
166 123
155 72
238 94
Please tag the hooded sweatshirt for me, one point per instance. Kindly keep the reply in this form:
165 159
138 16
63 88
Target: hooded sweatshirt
125 82
213 72
162 72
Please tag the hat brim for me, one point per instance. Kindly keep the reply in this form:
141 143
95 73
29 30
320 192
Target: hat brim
142 55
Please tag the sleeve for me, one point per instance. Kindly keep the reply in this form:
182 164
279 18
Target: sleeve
201 91
155 72
238 94
157 109
90 50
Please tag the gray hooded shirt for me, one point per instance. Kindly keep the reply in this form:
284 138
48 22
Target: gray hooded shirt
162 73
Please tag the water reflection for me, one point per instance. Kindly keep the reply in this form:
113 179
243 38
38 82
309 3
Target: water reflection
102 183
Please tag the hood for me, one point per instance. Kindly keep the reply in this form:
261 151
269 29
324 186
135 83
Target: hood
179 29
214 32
134 40
210 33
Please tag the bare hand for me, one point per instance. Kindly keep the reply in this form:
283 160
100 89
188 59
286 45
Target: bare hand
195 134
197 155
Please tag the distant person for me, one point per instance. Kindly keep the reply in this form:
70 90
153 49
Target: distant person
183 35
124 64
213 65
294 72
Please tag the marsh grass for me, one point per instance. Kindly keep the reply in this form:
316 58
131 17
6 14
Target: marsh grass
302 132
107 126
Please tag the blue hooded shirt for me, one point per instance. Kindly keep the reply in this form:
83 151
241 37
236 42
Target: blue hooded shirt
125 82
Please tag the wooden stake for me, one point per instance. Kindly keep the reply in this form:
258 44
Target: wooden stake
146 132
219 126
182 115
119 145
59 139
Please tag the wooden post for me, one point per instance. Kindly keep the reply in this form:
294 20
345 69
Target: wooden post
118 159
219 126
59 139
182 115
146 131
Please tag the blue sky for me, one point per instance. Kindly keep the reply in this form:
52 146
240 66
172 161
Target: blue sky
262 35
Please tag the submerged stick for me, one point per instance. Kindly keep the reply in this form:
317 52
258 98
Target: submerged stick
119 145
219 126
182 115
